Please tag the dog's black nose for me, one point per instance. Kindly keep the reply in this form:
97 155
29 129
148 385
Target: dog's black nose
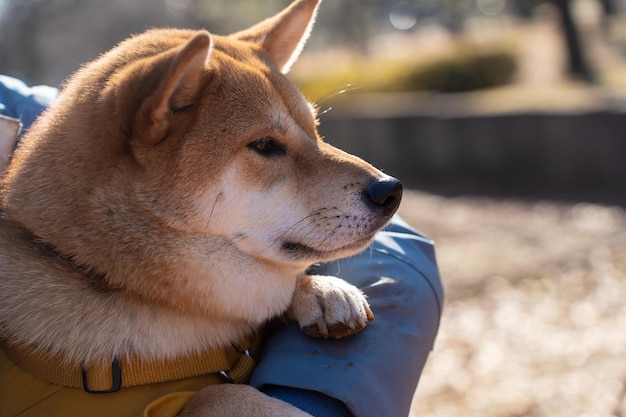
385 194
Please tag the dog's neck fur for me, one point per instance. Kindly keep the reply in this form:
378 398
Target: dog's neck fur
36 309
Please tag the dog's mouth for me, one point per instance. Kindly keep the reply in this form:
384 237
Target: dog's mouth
301 251
294 248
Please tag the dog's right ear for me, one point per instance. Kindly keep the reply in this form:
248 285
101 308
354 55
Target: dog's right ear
178 88
283 36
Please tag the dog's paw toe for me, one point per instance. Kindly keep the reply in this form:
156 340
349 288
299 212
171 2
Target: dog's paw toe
329 307
336 331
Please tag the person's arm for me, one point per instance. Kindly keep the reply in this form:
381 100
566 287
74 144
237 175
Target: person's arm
375 372
9 129
19 107
20 101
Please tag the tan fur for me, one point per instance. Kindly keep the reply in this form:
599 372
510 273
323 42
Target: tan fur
139 219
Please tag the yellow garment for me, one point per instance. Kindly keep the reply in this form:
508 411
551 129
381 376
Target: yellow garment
25 396
22 395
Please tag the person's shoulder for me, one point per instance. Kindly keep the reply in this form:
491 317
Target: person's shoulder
21 101
398 225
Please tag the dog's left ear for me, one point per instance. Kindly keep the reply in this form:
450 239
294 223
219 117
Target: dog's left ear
284 35
178 88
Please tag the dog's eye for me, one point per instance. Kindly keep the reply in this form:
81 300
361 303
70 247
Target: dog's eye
267 146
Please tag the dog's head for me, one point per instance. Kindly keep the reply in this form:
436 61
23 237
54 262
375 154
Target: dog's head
280 193
205 136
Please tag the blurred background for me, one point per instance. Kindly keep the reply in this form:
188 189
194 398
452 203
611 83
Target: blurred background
506 121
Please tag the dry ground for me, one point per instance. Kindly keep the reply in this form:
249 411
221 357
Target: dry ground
534 322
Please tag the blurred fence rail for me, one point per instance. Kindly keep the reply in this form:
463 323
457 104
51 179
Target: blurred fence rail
577 152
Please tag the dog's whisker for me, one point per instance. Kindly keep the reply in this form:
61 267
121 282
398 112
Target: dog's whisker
337 270
232 241
345 89
330 235
217 198
237 239
300 223
371 252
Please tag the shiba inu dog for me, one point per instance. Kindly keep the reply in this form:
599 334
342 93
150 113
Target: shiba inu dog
168 204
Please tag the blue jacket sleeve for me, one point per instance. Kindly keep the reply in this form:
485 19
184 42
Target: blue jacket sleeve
19 106
374 373
19 101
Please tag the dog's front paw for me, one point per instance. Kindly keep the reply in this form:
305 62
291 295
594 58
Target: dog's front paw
329 307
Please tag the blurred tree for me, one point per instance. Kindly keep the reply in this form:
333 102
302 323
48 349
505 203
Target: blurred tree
608 7
577 62
44 40
578 67
20 48
354 18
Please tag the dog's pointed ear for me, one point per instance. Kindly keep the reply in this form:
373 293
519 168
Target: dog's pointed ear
178 89
284 35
